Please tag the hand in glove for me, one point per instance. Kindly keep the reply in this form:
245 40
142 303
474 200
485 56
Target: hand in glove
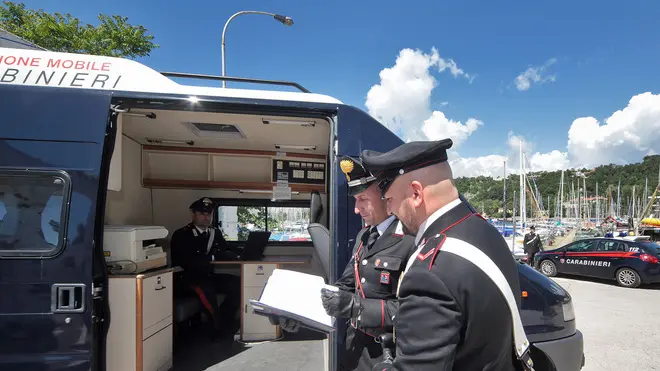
340 303
285 324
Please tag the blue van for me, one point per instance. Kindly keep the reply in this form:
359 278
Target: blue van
100 158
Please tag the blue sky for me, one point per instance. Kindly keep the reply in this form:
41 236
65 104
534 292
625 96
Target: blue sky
606 52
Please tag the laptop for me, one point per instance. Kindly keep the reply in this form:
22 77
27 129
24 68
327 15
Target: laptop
255 246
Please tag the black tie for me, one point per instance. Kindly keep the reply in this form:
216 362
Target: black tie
373 236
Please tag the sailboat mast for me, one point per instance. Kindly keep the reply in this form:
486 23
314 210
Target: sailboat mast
561 198
522 188
504 196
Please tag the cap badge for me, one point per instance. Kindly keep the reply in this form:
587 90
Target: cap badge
346 167
207 202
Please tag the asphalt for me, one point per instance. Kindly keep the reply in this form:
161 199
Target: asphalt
621 327
301 351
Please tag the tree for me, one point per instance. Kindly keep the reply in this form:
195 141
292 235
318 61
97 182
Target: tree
113 37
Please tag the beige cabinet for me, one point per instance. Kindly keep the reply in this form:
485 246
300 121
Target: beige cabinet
255 327
140 333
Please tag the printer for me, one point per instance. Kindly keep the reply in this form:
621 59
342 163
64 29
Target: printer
132 249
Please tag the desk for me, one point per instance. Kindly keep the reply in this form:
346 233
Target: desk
254 275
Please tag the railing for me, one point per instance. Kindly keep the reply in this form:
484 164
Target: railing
235 79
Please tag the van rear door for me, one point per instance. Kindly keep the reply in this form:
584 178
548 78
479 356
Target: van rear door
356 131
51 152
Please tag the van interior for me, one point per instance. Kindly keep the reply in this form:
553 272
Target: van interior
165 159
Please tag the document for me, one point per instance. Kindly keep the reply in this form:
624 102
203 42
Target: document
296 296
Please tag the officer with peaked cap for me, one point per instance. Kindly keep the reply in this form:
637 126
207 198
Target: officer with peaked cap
367 287
193 247
453 315
366 299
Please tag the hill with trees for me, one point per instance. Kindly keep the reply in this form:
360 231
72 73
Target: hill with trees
486 193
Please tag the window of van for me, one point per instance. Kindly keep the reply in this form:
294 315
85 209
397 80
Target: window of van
31 213
287 221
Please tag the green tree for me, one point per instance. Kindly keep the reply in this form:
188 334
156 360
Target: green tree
113 37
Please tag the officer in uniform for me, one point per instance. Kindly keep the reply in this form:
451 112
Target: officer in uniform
193 247
367 287
531 245
451 316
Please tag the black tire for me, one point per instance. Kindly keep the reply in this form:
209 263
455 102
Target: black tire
628 277
548 268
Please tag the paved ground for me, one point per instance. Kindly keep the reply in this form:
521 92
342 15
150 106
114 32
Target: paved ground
621 327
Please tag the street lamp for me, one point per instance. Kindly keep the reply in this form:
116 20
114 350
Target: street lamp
287 21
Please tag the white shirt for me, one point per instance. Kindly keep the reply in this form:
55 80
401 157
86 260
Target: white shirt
437 214
382 227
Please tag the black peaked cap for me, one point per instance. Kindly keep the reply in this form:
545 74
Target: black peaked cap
407 157
204 205
358 177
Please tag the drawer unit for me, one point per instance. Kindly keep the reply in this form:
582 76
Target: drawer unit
257 274
255 327
140 333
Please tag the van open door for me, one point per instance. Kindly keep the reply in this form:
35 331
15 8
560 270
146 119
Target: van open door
356 131
52 144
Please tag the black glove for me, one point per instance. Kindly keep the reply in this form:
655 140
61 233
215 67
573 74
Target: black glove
285 324
340 303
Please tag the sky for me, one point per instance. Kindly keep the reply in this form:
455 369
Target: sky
576 82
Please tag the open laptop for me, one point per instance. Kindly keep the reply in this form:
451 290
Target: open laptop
255 246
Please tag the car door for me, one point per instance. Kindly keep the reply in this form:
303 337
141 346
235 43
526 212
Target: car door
51 150
606 257
577 256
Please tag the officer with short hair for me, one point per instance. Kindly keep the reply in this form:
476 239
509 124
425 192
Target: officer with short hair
193 247
452 314
367 288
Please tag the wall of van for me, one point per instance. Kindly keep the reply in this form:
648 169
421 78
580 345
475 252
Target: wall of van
132 205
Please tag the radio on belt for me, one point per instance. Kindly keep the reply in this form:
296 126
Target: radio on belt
132 248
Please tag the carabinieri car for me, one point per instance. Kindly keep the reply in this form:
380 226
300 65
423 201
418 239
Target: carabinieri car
630 261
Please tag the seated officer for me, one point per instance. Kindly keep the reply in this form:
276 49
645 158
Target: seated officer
193 247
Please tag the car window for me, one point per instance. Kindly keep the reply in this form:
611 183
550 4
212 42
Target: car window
581 246
605 245
649 247
31 211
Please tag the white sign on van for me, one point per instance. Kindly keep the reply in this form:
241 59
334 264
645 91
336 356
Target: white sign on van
281 192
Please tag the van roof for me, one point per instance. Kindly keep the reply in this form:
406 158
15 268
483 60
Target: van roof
81 71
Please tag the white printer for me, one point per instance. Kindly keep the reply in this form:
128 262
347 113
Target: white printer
132 248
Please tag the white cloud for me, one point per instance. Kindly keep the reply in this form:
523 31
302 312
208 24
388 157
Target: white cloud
402 99
402 102
625 137
535 75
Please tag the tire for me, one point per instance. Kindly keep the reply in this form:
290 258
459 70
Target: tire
548 268
627 277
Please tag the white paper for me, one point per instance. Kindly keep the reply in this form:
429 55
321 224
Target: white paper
297 293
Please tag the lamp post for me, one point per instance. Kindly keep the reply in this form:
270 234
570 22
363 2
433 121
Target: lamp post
287 21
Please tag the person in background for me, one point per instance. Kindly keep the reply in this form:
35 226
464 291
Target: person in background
452 316
193 248
532 244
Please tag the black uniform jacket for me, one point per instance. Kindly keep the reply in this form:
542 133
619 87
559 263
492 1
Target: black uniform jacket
373 275
451 315
532 244
189 251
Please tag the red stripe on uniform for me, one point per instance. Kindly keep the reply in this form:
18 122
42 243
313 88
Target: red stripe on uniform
203 298
382 313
